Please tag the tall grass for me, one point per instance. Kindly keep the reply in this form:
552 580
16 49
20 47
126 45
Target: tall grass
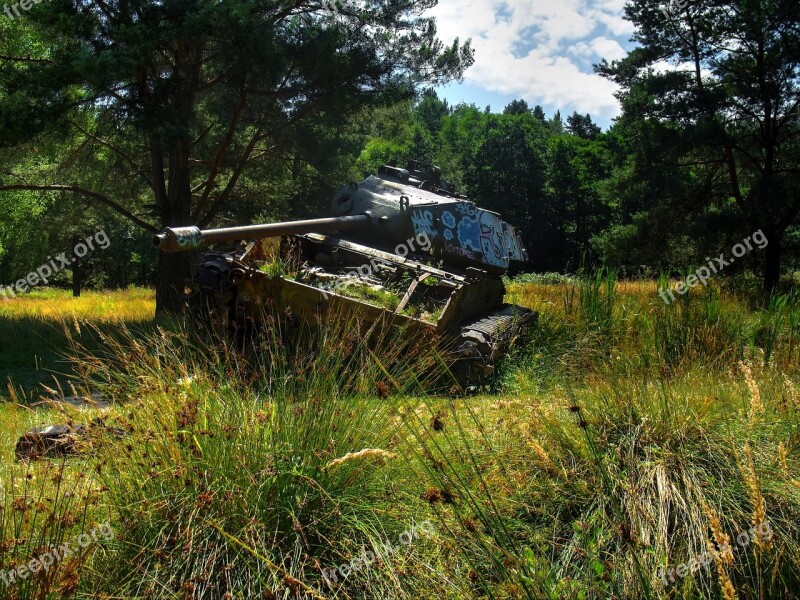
627 439
43 506
665 430
33 337
595 496
246 471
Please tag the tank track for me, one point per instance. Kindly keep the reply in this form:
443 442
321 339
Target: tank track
482 341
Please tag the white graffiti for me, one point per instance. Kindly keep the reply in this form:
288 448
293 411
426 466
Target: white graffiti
473 233
466 208
189 236
492 237
423 223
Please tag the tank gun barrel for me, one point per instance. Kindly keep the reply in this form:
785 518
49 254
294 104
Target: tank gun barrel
182 239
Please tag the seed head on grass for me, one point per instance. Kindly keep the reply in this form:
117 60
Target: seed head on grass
723 553
433 495
382 389
544 458
791 391
365 453
756 407
783 455
760 522
437 423
576 409
725 583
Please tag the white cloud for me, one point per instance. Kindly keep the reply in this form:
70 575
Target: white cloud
598 48
609 49
541 50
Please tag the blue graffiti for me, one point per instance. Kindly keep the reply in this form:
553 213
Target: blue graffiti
448 219
469 234
492 238
489 252
448 234
466 209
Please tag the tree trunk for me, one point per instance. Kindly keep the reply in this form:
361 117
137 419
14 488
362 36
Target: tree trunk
171 273
173 269
176 206
772 261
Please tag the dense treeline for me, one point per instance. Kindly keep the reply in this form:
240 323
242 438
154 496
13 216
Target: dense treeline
101 129
542 174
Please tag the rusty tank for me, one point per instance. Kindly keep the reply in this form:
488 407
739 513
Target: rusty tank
402 246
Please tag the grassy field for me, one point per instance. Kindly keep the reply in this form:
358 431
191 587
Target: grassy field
34 341
630 450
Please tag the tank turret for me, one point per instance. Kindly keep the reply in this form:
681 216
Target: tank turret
402 204
387 209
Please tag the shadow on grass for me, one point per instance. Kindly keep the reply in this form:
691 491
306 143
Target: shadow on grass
34 350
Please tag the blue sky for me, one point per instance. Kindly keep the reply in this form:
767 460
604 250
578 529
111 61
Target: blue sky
539 50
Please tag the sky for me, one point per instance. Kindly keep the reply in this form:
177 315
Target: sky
541 51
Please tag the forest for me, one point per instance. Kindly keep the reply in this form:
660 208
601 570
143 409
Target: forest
92 139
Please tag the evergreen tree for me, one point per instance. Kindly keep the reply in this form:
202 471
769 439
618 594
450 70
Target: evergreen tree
516 107
582 126
431 111
727 110
556 124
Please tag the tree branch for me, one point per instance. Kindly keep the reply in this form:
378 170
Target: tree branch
223 197
219 155
83 192
116 150
733 175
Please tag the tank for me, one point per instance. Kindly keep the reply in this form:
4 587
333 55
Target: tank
400 246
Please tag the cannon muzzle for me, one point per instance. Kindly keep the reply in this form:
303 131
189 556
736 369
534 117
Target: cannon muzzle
182 239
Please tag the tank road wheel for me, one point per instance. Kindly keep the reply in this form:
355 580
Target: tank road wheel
211 294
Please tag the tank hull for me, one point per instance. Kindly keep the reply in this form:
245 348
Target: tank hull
464 317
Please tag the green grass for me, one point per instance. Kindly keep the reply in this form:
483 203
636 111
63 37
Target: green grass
380 296
626 437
